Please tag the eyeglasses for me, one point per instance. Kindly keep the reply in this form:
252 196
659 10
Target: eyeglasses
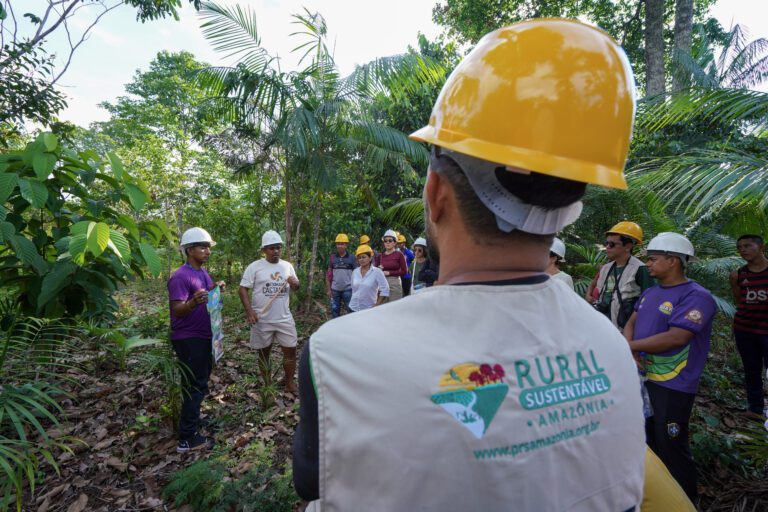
419 249
389 241
610 244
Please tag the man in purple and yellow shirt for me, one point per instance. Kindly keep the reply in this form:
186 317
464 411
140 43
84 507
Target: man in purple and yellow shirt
672 326
191 333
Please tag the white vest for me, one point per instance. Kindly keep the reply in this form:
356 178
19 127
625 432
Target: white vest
628 286
406 424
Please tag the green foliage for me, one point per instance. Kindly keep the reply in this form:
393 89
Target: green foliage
161 360
32 352
204 486
67 235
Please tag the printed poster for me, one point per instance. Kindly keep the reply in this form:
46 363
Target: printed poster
215 306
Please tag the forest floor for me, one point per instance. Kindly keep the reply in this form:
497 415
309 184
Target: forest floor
124 447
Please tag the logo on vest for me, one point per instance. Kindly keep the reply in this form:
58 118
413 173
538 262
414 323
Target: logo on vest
472 394
666 308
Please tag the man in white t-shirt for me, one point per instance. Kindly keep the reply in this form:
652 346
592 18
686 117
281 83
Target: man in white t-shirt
269 281
508 392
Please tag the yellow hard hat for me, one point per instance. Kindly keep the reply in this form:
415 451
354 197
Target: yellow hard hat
365 239
363 249
551 96
627 228
401 238
342 238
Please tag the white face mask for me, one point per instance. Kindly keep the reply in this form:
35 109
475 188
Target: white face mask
511 213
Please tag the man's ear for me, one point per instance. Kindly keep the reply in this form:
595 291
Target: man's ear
438 194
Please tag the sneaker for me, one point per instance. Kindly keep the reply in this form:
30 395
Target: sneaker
197 442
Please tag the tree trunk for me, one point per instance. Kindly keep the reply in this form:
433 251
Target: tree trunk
683 36
654 47
313 255
288 214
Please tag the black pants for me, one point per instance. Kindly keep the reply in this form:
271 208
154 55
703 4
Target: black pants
195 353
406 285
667 434
753 349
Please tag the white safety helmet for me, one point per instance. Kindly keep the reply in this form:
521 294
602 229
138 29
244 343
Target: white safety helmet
673 244
270 238
196 236
558 247
420 241
390 233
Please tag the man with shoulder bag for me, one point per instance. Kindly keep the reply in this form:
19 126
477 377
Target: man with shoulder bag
623 279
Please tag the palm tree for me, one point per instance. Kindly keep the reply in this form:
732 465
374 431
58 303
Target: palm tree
313 123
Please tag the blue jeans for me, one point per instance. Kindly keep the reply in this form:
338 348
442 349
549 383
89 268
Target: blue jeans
339 297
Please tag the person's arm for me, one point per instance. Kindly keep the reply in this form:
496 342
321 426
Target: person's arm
589 296
667 340
182 308
383 287
245 298
735 288
292 280
306 439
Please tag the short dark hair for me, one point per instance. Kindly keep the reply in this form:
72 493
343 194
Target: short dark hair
537 189
755 238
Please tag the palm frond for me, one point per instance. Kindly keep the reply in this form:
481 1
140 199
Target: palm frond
407 212
706 180
232 30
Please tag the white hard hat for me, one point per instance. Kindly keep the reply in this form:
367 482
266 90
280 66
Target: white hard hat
420 241
196 236
558 247
390 232
271 238
672 243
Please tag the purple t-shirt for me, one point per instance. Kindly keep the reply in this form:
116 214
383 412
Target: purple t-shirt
181 286
687 306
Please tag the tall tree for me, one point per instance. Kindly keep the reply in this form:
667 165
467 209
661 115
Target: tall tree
654 48
683 34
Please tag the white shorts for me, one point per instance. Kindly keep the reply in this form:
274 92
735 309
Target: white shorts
264 335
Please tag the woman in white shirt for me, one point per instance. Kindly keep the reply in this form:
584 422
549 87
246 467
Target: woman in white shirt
556 256
369 285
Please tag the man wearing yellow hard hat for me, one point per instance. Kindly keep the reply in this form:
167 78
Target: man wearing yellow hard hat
338 278
496 400
622 280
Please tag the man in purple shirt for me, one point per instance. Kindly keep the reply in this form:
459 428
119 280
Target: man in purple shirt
671 327
191 333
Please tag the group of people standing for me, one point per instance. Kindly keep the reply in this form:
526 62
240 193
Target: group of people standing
509 391
370 278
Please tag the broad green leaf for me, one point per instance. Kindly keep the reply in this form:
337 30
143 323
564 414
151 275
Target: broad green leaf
77 246
34 192
129 224
49 141
119 244
7 230
54 281
82 228
160 223
43 164
8 181
27 252
136 196
152 259
98 238
117 165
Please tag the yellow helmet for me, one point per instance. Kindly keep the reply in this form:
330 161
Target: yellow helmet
401 238
551 96
363 249
627 228
342 238
365 239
